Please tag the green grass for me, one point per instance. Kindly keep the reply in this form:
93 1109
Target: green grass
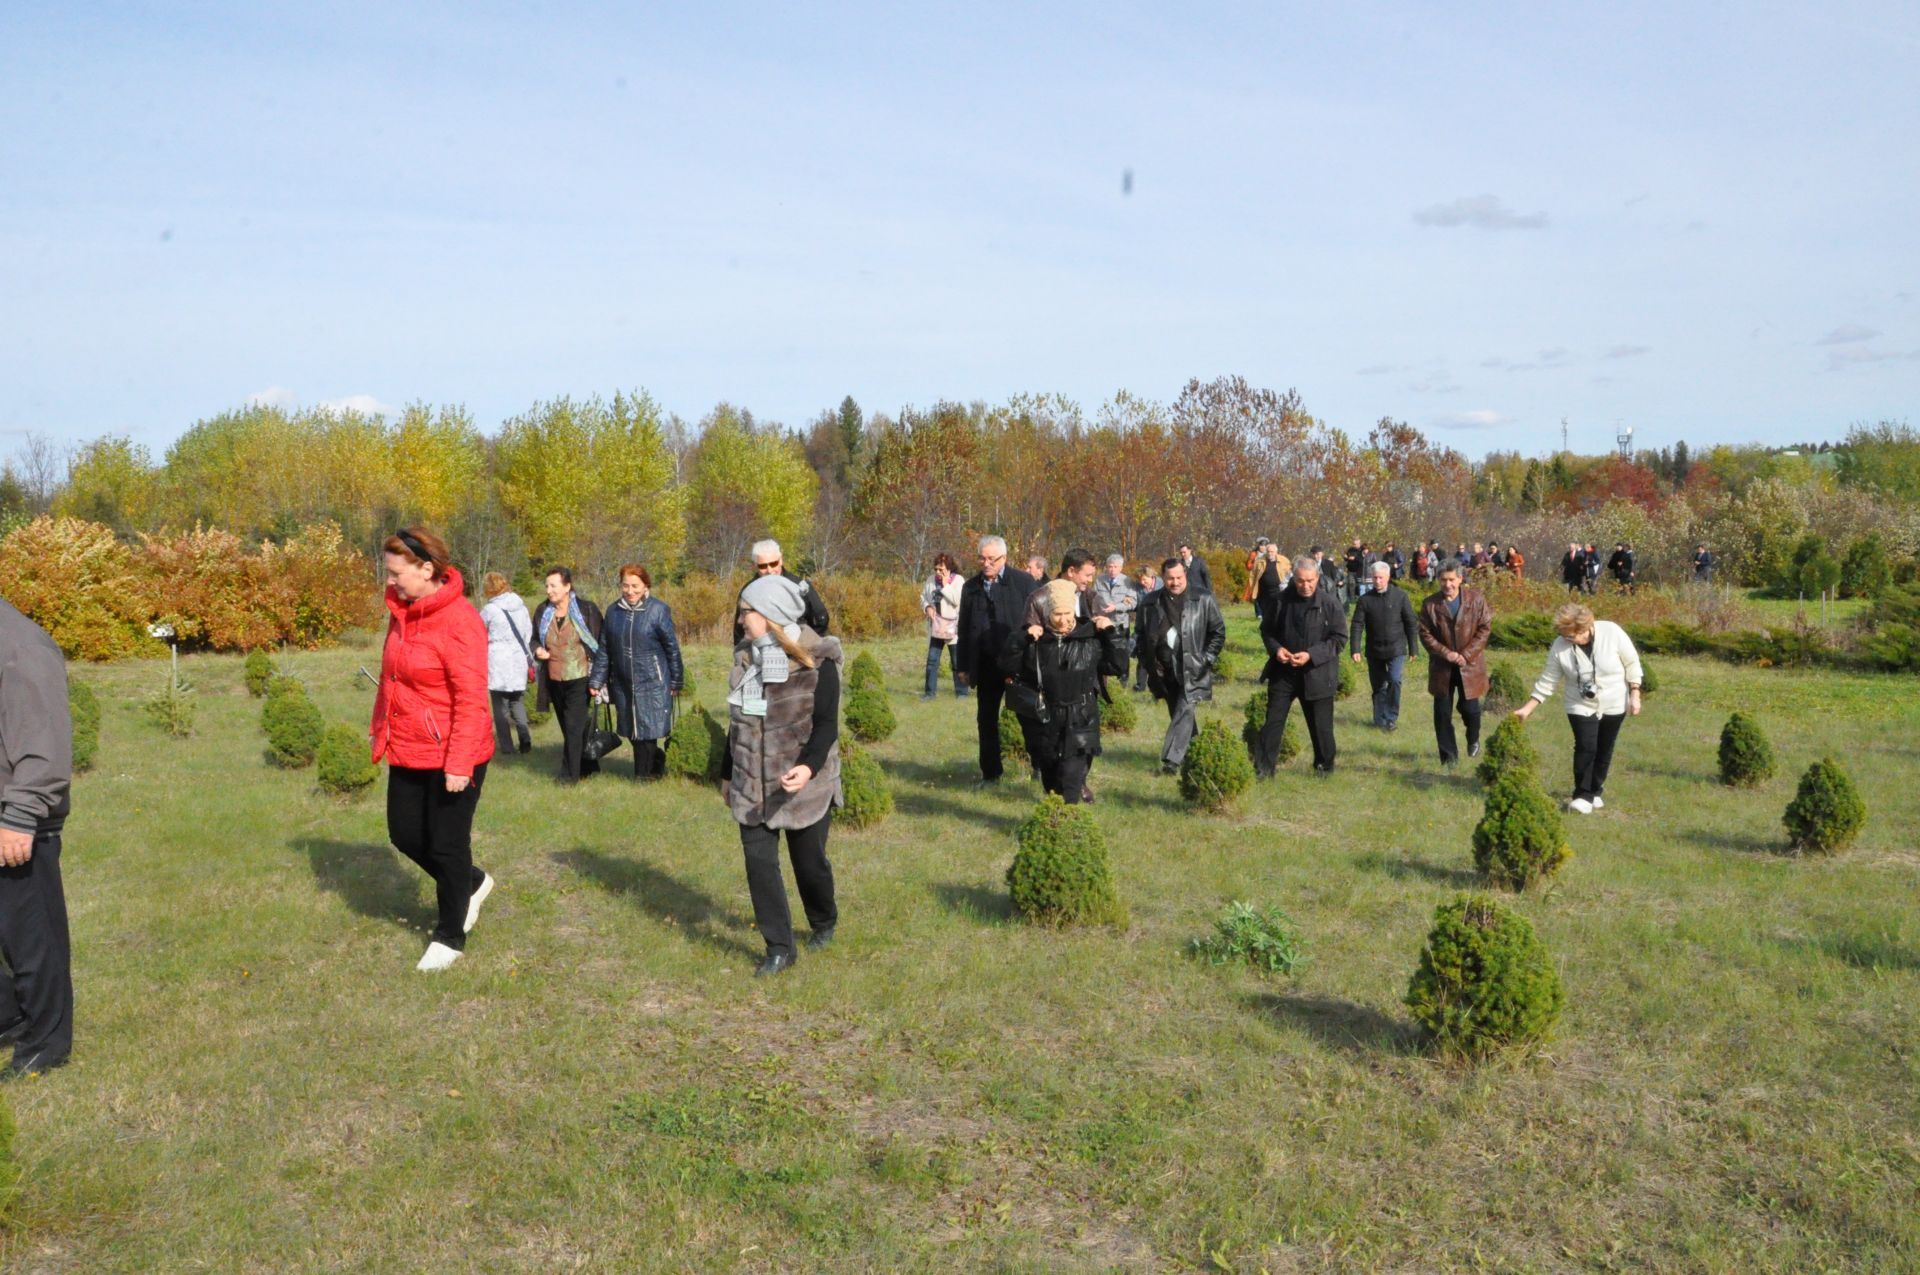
1781 612
262 1081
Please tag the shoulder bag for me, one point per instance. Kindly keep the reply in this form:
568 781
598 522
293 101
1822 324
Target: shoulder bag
1029 702
533 674
600 739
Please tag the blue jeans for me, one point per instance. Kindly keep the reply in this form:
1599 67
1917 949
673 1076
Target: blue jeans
934 647
1385 676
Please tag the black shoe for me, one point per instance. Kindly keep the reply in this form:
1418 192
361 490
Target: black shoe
1086 796
820 938
928 696
20 1069
985 782
526 746
1322 771
1392 727
773 963
1168 769
1473 749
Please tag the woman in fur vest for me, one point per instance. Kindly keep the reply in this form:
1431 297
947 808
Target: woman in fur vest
783 761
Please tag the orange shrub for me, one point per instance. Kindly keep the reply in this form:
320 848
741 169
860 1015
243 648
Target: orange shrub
77 581
860 604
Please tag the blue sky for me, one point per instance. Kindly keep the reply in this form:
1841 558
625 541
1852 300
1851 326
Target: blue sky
1697 219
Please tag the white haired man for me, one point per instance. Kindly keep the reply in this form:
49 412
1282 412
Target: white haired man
992 605
768 560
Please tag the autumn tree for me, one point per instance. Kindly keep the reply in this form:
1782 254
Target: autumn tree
745 483
110 480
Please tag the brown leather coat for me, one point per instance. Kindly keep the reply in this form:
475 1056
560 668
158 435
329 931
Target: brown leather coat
1441 632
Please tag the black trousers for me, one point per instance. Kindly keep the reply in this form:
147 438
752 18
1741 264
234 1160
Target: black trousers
987 694
1063 769
648 761
39 955
434 828
807 847
1593 739
1282 691
573 711
1443 717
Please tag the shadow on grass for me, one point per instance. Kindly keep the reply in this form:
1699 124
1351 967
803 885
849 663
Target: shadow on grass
1459 780
1862 951
1343 1024
661 896
372 880
981 903
1740 842
1406 868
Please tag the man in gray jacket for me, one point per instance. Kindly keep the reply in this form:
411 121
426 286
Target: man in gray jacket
1180 639
1120 596
36 771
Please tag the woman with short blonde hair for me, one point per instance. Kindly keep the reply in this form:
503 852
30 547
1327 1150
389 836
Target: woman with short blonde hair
1595 666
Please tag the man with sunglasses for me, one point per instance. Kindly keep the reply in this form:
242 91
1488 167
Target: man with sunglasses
767 561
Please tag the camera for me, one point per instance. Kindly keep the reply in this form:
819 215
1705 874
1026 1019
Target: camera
1589 690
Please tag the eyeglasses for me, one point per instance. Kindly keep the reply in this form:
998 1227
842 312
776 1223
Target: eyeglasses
764 568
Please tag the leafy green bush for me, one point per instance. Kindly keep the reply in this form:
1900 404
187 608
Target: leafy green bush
1060 873
1776 647
1119 715
344 763
1865 570
1746 757
83 706
284 684
1525 631
171 707
696 745
1215 771
293 725
1485 981
258 670
863 671
1225 665
1506 749
1669 637
1290 737
1827 813
1505 687
1266 939
870 716
1892 636
867 795
1013 740
1519 839
1649 679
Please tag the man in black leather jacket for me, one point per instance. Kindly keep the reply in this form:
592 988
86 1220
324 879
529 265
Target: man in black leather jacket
1303 637
1181 634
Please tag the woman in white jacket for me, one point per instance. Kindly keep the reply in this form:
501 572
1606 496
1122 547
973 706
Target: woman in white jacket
1595 667
509 659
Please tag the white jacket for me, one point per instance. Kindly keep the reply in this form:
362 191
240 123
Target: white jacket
946 605
1614 667
506 658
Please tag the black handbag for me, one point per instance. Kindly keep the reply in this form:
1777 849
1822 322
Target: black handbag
1029 702
600 737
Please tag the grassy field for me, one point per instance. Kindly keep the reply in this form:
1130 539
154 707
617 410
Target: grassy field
1785 611
263 1083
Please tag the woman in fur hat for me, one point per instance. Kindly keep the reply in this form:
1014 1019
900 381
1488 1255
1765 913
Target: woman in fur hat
1064 661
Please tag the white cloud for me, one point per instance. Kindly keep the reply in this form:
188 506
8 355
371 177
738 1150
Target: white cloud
274 396
1628 351
1855 356
1480 418
1481 212
1847 334
365 404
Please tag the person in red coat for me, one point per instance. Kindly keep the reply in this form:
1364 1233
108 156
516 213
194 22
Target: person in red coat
433 724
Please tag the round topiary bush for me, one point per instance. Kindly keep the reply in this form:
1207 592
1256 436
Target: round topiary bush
1060 873
1013 740
1290 737
1348 678
1505 687
1746 757
257 672
1520 838
1119 715
284 684
1216 770
1224 666
867 795
293 725
1827 813
344 762
83 706
696 745
869 714
864 671
1485 981
1507 749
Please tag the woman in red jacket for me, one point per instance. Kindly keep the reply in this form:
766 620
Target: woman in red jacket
433 724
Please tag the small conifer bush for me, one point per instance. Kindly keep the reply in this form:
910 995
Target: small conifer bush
867 795
1505 688
1485 981
344 762
1061 874
1265 938
1649 680
1746 757
870 716
1508 748
1290 739
1013 740
172 707
1348 678
696 745
258 670
864 671
1225 666
1119 715
1826 814
293 725
1216 770
1520 838
284 684
83 706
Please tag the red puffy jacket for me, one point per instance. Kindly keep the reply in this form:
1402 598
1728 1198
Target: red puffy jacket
432 711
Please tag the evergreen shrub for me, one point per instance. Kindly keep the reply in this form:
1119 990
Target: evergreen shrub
867 795
1485 981
1349 679
1225 665
1523 631
1507 749
83 706
1892 636
1061 874
1013 740
696 745
1520 838
1827 813
1746 756
293 725
171 708
1649 679
257 671
1216 771
870 716
344 762
864 670
1119 715
1290 737
1505 687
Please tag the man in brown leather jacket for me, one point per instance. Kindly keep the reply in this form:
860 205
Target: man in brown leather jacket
1455 624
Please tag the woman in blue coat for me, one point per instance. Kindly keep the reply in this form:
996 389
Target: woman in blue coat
643 669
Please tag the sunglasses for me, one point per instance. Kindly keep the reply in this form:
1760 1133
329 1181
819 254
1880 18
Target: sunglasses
765 568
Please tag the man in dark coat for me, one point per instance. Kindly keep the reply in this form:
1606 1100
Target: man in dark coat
1181 635
1622 565
992 604
1384 634
1303 637
1354 560
1703 564
1573 568
767 560
1455 625
1199 578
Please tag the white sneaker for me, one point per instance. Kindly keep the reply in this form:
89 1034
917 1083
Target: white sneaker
438 956
480 894
1580 806
1598 804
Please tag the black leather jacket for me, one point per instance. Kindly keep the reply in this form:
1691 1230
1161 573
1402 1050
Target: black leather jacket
1067 670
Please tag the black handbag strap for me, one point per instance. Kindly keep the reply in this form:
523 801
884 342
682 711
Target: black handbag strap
1039 687
515 630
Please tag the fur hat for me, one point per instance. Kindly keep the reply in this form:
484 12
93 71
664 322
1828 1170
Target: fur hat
1062 596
